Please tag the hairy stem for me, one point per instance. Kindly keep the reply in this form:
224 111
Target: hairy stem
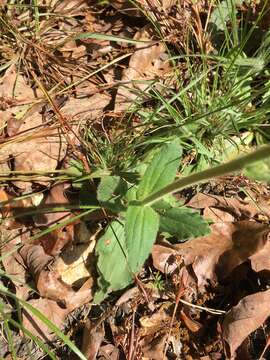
220 170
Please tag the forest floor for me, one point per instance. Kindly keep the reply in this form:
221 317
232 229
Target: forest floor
104 107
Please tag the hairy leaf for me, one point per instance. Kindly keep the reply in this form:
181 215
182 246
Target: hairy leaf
112 263
259 170
162 169
183 223
109 191
141 230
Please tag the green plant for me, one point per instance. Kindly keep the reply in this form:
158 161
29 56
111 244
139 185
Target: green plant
147 208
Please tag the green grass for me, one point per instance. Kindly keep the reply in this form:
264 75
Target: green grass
217 104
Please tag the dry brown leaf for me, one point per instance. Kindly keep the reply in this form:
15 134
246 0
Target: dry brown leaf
50 286
165 258
48 281
92 339
217 215
16 92
147 63
13 263
29 154
13 85
35 259
5 209
154 322
193 325
48 308
55 241
152 346
216 255
238 208
35 155
260 261
88 108
249 314
55 197
108 351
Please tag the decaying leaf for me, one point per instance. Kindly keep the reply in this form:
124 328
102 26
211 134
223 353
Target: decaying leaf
51 310
48 281
240 209
55 198
13 262
249 314
35 259
218 254
146 65
92 339
88 108
217 215
153 346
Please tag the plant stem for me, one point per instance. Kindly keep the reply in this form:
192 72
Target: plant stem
220 170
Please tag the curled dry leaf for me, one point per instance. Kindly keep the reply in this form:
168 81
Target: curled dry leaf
48 281
58 239
35 259
193 325
249 314
56 197
215 256
146 64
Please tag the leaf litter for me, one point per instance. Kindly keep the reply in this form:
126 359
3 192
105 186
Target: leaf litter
197 297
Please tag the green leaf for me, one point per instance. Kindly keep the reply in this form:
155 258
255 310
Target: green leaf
259 170
162 169
223 13
110 190
141 230
183 223
112 263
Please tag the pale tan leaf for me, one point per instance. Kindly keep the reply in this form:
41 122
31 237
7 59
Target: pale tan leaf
146 64
249 314
76 265
13 85
88 108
